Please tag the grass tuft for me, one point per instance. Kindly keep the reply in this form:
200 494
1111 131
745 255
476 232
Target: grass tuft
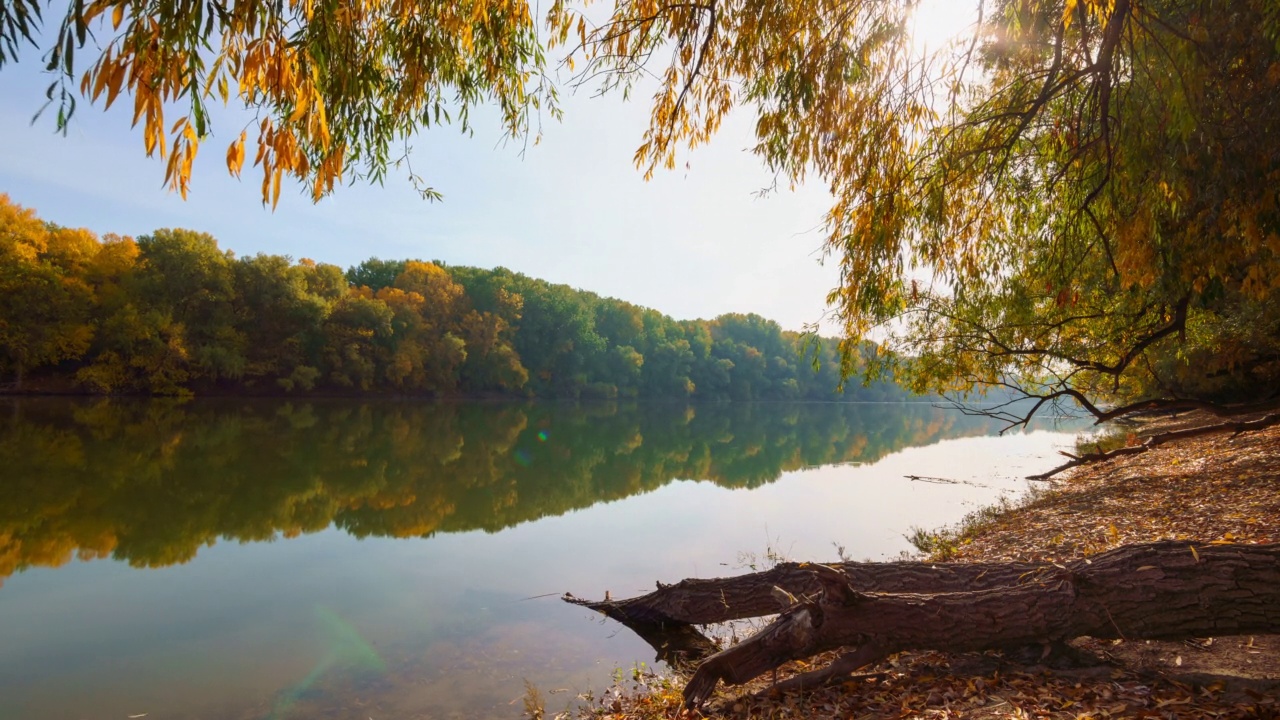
944 544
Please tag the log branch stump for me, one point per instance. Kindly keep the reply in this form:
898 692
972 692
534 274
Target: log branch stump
1155 591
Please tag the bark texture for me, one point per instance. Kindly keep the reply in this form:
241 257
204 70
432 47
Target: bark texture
1166 590
697 601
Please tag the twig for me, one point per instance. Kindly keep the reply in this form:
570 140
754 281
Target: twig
943 481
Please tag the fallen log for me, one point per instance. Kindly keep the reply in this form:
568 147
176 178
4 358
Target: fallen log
699 601
1165 590
666 617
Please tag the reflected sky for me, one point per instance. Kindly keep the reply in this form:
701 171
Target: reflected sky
340 559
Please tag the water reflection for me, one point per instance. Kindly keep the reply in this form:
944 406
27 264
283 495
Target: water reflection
151 483
427 542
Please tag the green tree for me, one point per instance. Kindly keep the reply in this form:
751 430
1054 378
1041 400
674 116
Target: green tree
556 338
492 363
323 280
279 318
375 273
355 331
186 283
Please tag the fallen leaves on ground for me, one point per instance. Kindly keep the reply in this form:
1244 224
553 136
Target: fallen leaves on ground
938 686
1210 488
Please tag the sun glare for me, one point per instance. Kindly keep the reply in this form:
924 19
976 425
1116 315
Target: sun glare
938 22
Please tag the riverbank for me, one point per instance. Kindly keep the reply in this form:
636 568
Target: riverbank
1209 488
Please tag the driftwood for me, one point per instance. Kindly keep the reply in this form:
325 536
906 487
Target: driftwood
1166 590
666 617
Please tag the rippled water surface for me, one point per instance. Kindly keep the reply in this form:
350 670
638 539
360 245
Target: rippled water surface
340 559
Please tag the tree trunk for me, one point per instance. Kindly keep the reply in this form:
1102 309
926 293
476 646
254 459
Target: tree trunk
697 601
1166 590
666 617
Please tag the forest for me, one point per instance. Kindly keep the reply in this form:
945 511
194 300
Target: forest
171 313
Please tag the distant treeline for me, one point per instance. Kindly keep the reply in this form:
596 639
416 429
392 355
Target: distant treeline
171 313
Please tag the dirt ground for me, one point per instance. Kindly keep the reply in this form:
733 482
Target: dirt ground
1217 487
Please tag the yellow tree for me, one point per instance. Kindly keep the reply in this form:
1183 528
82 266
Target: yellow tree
429 340
45 301
112 365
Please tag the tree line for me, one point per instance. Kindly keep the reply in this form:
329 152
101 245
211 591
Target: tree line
171 313
152 482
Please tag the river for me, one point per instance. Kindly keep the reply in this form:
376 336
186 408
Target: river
237 560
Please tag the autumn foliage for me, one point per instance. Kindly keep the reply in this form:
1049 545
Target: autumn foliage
172 313
336 85
1075 199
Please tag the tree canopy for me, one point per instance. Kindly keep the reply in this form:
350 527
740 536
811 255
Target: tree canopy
1076 198
171 313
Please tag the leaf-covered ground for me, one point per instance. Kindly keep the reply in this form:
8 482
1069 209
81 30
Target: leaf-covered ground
1215 488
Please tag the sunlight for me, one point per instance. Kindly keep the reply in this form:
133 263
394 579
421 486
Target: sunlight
938 22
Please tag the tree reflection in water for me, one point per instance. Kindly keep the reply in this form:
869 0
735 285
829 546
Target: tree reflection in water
151 482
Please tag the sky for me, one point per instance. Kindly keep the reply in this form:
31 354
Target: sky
694 242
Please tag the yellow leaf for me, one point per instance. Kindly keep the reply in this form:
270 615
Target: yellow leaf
299 109
114 83
235 155
1067 11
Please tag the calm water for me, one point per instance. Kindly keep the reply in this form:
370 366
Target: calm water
238 560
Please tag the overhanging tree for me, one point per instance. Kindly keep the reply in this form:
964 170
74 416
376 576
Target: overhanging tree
1077 199
337 86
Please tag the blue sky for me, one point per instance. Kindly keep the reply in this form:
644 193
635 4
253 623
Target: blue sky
694 242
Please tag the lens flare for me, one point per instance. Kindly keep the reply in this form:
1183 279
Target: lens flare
345 649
